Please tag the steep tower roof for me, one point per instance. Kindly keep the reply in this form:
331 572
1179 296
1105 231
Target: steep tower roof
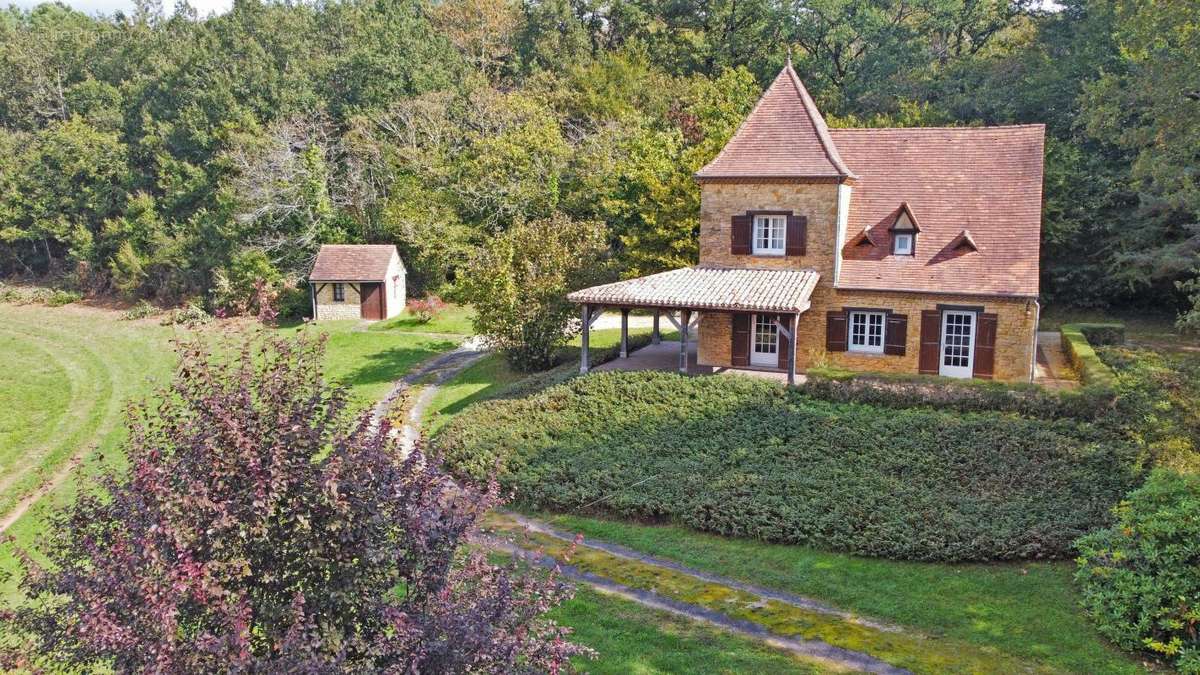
783 137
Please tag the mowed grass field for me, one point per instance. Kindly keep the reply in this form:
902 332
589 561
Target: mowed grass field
68 373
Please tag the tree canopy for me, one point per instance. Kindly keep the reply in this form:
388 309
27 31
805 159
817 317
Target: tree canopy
153 155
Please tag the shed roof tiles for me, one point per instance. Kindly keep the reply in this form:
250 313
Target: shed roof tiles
352 262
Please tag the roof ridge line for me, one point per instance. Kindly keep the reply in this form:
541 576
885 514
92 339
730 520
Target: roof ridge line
819 125
961 127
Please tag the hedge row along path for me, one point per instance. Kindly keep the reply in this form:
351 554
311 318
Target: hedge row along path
809 629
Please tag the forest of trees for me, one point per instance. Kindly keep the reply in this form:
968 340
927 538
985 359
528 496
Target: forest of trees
169 156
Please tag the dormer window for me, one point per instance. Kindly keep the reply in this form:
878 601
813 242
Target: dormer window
770 233
904 231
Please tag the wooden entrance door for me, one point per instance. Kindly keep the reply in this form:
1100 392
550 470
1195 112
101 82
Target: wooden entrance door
372 301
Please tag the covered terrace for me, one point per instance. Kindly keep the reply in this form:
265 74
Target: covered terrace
682 295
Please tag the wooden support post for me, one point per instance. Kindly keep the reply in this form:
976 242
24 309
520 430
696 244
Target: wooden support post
793 324
624 332
587 328
684 317
655 336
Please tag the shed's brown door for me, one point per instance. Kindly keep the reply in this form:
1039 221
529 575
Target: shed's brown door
372 301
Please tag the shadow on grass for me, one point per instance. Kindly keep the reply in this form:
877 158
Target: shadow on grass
390 364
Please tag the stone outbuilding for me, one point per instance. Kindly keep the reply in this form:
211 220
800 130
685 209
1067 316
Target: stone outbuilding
357 281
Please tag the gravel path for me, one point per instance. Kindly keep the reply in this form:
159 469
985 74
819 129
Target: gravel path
431 374
813 649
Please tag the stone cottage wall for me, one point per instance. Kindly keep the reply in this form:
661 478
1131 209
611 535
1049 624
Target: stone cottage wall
1016 322
818 201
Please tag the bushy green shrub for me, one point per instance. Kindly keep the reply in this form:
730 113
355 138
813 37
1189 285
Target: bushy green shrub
746 457
190 315
61 297
518 284
294 301
1159 400
1141 577
140 310
1075 339
1103 334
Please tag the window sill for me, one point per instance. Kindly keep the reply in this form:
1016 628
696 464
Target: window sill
865 353
767 254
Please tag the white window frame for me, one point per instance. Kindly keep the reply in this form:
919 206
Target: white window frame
903 236
861 342
772 241
339 292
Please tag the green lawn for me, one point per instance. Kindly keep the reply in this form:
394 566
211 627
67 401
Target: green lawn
369 361
454 319
491 376
65 375
1028 610
1154 329
630 638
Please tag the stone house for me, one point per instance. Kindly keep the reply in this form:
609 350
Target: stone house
908 250
357 282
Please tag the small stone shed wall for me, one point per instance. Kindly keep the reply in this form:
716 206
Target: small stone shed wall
328 310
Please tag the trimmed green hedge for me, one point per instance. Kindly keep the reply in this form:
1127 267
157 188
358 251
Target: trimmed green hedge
908 391
746 457
1079 340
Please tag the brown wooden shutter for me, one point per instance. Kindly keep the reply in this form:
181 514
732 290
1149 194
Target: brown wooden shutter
797 235
835 331
931 341
896 335
740 348
739 234
784 343
985 347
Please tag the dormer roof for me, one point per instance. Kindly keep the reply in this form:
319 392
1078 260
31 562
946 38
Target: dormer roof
905 220
784 136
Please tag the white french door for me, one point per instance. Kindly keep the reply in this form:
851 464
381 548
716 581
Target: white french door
958 344
764 342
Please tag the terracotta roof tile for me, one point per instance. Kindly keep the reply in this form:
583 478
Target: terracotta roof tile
713 288
987 180
352 262
783 137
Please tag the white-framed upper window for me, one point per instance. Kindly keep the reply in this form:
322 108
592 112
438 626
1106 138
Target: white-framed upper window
339 292
866 332
769 235
902 243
